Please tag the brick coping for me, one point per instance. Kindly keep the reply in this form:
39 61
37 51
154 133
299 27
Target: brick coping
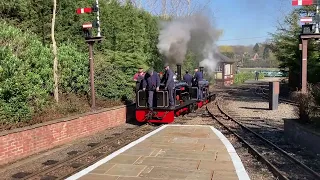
65 119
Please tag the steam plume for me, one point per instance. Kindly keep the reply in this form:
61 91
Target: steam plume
195 33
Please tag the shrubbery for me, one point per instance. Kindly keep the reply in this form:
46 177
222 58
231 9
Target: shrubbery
243 76
26 73
308 108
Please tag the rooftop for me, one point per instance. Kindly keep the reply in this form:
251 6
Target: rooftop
223 58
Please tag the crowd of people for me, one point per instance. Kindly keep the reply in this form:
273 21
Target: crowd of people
150 81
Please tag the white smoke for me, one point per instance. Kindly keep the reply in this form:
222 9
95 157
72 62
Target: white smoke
195 33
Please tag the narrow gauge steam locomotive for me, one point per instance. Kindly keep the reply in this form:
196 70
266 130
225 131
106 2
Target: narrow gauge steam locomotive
186 100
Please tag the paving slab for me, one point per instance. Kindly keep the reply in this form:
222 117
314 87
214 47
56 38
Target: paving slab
175 152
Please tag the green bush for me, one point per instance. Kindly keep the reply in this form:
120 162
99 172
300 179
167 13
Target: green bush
307 110
73 70
244 76
26 76
316 93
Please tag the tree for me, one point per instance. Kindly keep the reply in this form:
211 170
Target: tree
227 51
266 52
256 48
174 8
55 54
285 46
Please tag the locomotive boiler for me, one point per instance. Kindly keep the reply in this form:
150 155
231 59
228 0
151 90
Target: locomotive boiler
186 99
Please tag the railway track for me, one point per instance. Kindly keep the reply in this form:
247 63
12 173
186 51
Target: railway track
279 162
77 162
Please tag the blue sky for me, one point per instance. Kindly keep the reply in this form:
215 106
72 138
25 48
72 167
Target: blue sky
245 22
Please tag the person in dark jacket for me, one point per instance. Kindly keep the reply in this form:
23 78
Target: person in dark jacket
256 76
151 84
187 78
198 76
138 77
169 84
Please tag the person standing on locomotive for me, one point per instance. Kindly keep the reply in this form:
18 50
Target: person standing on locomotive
151 83
169 84
198 76
138 77
187 78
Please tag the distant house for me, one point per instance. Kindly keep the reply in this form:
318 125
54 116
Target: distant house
255 57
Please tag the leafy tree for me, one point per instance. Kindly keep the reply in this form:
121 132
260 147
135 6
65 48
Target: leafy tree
285 46
256 48
227 51
266 53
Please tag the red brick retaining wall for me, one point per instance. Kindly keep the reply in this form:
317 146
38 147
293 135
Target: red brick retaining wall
18 143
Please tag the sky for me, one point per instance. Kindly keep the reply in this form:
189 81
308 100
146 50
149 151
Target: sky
244 22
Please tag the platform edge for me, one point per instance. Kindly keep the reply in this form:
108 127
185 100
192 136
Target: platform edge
237 163
114 154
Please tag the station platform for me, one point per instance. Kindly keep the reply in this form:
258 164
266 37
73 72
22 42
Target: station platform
188 152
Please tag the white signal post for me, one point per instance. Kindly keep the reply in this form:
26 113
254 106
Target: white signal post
98 20
317 13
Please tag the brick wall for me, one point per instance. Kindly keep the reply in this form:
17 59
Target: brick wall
22 142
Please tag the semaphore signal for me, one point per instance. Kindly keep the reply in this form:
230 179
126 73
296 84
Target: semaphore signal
96 23
309 28
86 27
84 10
302 2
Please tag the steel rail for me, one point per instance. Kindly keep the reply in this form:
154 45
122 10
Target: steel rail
253 151
271 144
83 154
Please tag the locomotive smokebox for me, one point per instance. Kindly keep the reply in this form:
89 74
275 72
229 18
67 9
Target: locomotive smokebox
179 72
201 69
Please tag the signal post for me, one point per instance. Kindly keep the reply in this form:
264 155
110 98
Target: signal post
310 30
87 30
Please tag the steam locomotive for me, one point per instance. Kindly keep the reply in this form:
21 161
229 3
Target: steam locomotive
187 99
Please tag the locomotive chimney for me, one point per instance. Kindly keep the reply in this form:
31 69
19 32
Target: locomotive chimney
179 72
201 70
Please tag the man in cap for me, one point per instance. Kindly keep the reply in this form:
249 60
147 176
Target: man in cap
138 77
187 78
151 83
169 84
198 76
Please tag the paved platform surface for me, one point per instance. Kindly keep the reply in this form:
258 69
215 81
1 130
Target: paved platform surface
171 152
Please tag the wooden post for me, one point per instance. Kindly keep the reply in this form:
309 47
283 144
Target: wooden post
223 73
304 65
304 60
274 88
91 41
